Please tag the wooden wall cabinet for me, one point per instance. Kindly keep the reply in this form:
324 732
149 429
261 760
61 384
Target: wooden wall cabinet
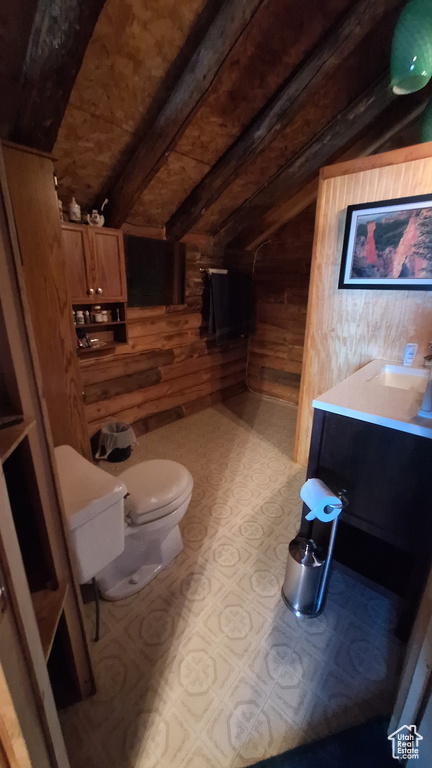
94 263
95 272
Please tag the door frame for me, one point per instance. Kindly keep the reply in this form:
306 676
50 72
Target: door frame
416 680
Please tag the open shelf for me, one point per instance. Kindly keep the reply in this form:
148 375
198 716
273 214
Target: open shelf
100 325
48 606
110 332
8 419
82 351
374 530
10 437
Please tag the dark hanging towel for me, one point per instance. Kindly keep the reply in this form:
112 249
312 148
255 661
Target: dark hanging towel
231 307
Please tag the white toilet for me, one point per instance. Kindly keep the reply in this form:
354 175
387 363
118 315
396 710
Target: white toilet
93 502
159 494
123 544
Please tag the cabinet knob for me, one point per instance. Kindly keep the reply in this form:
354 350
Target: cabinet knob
90 291
99 291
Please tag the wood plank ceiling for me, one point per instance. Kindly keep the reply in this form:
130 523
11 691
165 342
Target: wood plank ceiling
201 116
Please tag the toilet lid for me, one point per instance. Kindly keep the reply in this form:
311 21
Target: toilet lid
139 516
155 486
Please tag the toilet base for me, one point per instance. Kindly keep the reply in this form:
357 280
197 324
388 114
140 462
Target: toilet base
126 575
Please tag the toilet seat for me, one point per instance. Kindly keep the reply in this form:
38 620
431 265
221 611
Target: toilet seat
156 488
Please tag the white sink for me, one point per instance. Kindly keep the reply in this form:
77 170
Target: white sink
403 377
384 393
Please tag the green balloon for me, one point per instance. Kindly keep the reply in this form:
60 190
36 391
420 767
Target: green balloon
411 54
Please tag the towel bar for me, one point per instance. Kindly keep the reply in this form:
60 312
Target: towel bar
215 271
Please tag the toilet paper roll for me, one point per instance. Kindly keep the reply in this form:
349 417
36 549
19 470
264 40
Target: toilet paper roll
321 501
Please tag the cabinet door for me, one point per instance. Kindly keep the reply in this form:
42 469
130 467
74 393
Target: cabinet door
109 257
78 262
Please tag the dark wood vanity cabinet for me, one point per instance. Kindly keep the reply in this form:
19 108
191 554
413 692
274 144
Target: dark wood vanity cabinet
385 534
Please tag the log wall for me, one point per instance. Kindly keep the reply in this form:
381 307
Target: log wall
281 282
171 366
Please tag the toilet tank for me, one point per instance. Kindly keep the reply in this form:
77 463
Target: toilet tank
93 504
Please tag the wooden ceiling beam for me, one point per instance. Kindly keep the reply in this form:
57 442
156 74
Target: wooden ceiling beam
15 28
276 218
60 34
176 113
273 220
338 133
279 110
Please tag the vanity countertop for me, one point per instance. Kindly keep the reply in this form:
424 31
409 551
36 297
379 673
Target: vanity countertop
363 396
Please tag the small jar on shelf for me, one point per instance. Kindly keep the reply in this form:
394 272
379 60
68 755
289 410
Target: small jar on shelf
97 316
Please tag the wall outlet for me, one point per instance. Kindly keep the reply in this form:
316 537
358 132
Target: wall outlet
410 353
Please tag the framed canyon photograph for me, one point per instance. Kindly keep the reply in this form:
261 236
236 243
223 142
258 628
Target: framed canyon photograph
388 244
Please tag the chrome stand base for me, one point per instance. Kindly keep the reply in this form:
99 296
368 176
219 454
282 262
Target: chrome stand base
303 614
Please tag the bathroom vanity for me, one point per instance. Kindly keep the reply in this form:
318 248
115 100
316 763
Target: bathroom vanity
368 440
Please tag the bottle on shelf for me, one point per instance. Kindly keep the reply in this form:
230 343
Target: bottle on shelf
74 211
97 316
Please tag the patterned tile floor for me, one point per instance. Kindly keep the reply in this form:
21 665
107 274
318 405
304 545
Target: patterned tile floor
206 667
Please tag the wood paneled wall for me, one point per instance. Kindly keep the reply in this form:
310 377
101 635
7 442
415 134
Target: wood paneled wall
348 328
171 367
281 282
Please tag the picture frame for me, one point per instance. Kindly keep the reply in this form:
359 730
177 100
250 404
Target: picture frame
388 245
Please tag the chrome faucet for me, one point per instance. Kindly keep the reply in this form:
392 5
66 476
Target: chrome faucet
426 407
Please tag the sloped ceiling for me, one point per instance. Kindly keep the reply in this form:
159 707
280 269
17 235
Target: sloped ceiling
133 46
223 76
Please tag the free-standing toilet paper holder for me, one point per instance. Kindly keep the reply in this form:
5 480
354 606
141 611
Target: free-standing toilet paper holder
307 570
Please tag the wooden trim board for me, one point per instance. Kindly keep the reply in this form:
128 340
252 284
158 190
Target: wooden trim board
383 160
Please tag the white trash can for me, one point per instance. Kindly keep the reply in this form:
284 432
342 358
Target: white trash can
115 442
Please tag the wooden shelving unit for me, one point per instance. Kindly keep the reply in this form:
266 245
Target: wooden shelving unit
36 568
48 607
10 437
